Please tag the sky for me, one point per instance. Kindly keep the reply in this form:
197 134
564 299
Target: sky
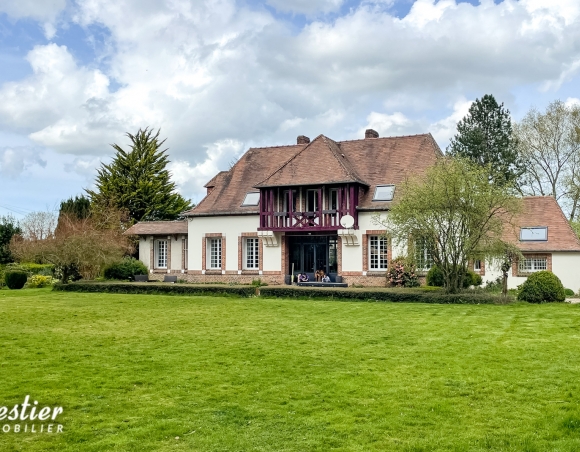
221 76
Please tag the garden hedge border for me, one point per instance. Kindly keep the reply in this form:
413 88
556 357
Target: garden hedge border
351 294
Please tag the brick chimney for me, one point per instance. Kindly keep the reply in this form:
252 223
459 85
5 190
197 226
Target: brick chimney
302 139
370 133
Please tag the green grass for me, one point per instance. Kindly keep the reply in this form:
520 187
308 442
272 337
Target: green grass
134 372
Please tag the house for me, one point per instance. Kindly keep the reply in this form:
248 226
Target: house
547 242
284 210
297 208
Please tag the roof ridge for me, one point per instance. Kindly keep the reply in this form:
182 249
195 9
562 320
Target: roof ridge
287 161
278 146
386 138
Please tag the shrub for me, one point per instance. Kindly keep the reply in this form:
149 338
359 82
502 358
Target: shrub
70 270
38 281
15 279
569 292
37 269
543 286
435 277
402 273
471 279
126 269
258 283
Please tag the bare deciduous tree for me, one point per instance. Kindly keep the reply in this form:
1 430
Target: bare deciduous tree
85 245
549 144
38 225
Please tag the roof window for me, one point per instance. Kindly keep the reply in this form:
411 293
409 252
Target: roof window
539 234
384 193
252 199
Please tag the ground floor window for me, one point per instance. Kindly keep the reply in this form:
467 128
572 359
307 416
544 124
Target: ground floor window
477 266
423 254
251 253
378 258
160 253
533 264
214 254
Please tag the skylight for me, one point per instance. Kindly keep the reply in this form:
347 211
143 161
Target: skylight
384 193
251 199
539 234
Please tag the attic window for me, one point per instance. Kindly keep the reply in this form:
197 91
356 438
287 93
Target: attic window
534 234
384 193
251 199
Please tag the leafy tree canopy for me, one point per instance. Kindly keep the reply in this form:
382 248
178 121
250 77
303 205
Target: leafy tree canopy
484 136
138 182
454 207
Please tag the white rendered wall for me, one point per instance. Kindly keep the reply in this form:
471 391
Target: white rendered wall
567 267
231 227
144 250
272 256
176 252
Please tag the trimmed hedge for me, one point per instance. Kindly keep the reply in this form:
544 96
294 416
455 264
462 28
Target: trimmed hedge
395 296
542 287
157 289
420 295
15 279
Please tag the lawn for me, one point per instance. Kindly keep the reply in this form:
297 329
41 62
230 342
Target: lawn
224 374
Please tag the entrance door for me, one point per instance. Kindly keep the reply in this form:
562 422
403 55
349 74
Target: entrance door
312 253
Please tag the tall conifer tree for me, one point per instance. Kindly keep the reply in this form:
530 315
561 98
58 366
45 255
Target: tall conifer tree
485 137
138 182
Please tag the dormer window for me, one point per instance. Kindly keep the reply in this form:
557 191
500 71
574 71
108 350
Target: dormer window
252 199
537 234
384 193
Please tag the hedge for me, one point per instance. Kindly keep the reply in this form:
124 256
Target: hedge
156 289
419 295
395 296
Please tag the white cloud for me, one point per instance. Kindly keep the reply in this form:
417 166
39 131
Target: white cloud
208 70
191 178
45 11
15 160
387 124
308 7
572 101
444 129
42 10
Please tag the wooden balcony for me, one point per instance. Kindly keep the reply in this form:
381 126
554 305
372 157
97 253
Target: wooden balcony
277 208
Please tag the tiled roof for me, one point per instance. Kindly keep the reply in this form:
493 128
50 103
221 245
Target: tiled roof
543 211
325 156
158 228
371 162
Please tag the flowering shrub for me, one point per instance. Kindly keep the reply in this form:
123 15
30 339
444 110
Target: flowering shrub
402 274
37 281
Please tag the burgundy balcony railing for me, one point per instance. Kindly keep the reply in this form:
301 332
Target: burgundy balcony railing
319 220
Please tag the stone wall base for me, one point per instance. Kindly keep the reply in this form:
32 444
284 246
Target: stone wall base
273 280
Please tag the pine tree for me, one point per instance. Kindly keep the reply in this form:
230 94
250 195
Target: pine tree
485 137
138 182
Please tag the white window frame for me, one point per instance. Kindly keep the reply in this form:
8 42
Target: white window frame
251 199
251 254
532 264
378 253
214 253
426 257
540 231
477 265
161 253
377 189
